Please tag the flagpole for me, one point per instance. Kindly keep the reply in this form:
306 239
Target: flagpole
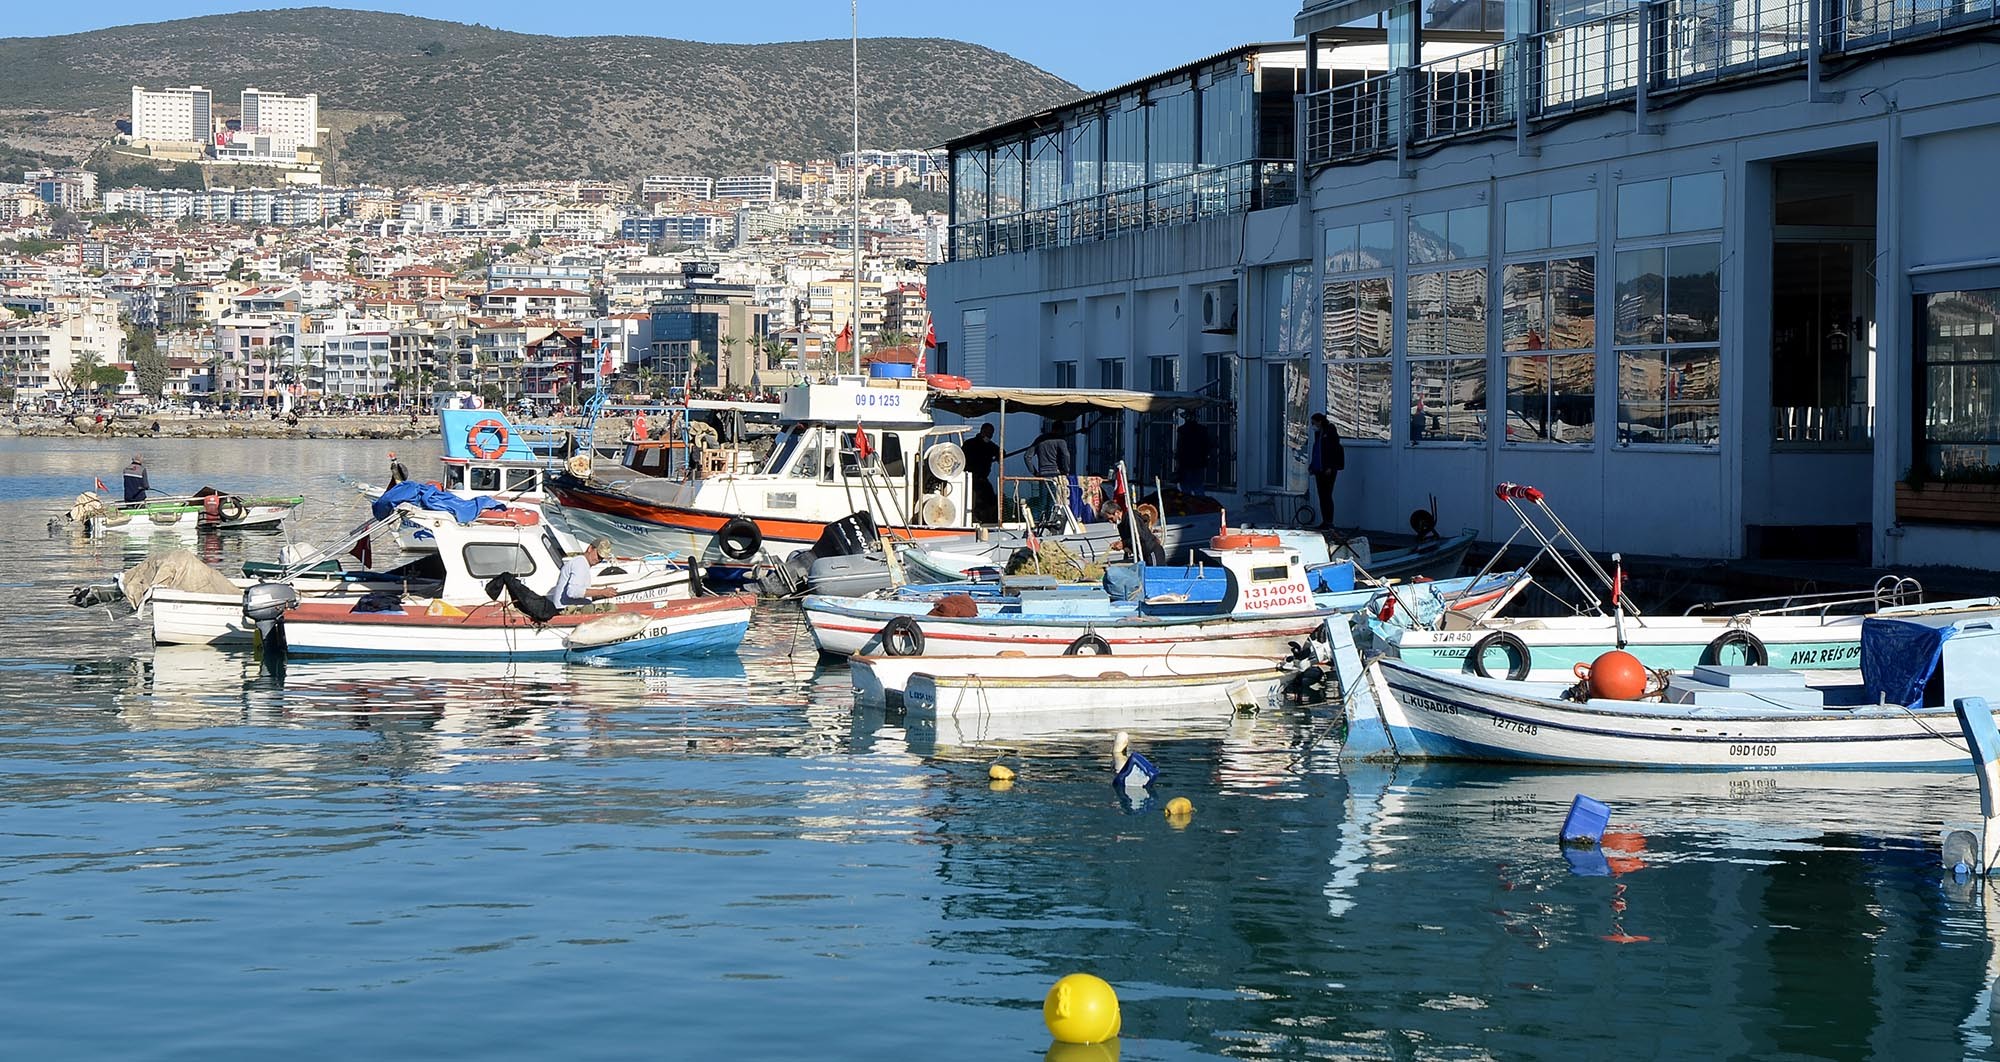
854 188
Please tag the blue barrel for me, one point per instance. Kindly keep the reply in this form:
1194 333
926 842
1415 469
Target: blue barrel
883 370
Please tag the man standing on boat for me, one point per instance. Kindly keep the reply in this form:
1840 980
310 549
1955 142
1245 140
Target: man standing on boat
1049 453
981 453
573 581
397 473
136 483
1328 458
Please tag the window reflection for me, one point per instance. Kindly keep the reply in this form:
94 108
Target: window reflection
1694 293
1641 297
1524 321
1448 400
1358 396
1961 426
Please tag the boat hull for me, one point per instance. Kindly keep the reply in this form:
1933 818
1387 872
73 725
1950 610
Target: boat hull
1431 716
844 630
255 518
679 628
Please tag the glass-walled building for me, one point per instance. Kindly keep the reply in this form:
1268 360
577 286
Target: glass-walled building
1713 276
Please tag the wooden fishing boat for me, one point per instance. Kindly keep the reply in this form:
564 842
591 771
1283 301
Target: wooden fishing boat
1898 711
1170 681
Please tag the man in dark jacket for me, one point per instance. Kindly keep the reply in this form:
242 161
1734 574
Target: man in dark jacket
1328 458
981 454
136 483
1049 453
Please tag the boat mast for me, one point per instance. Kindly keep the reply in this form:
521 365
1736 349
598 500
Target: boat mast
854 188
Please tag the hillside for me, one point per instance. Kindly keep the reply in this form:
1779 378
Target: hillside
419 100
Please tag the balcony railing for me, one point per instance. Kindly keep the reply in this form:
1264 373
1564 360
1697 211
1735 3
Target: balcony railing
1655 47
1177 200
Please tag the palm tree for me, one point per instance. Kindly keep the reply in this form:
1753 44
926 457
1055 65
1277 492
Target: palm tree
378 360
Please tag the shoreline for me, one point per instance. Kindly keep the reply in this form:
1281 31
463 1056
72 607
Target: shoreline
84 427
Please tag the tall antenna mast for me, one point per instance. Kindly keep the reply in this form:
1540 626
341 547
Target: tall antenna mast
854 188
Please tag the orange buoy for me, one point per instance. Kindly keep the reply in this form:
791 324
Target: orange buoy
1617 676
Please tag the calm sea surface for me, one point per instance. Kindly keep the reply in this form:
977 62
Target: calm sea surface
200 859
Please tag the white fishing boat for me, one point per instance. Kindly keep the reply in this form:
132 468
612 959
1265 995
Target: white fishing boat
1058 684
1897 711
466 620
1266 607
205 510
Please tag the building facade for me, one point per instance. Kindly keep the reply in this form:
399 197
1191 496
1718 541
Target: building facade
1704 275
173 115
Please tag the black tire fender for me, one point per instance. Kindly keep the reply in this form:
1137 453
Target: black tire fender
902 636
1088 644
1519 659
1753 648
739 539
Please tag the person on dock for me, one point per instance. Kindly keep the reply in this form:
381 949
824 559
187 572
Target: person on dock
397 473
1191 452
573 581
136 482
981 454
1328 458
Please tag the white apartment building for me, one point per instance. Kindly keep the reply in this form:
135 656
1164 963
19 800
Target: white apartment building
755 187
676 186
69 189
37 355
180 115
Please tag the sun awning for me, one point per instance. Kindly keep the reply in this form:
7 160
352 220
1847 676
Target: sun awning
1061 402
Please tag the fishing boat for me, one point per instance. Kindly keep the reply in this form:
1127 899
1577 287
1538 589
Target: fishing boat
466 620
205 510
851 445
1170 681
1897 711
1266 607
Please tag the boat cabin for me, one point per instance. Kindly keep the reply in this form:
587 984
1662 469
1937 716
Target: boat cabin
514 541
485 453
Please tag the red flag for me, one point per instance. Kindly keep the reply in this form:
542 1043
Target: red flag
1118 488
924 352
930 335
844 342
364 551
861 447
1033 542
100 484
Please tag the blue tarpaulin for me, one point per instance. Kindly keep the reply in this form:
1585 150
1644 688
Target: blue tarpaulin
436 499
1898 657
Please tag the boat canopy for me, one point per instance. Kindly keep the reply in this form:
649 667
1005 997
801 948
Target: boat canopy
1061 402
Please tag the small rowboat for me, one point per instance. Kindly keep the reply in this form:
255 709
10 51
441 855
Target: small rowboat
1056 685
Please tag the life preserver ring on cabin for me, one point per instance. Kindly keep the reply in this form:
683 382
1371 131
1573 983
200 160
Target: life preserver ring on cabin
944 382
232 509
1236 540
472 445
1089 643
516 517
1754 652
902 637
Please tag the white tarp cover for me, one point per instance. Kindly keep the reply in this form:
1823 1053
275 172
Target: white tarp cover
176 569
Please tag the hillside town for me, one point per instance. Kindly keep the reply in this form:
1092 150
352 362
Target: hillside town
326 297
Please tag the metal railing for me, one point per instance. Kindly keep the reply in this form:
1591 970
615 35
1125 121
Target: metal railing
1176 200
1653 47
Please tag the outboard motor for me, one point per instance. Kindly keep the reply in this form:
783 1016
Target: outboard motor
263 603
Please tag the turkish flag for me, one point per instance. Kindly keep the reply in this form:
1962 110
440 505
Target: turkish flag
930 334
861 447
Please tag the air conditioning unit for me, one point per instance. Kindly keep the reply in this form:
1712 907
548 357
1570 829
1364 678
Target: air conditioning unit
1218 308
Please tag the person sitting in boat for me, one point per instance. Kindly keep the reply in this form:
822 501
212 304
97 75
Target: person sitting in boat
136 483
1150 551
397 473
573 581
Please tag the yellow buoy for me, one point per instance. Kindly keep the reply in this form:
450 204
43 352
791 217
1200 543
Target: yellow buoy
1000 772
1081 1009
1179 808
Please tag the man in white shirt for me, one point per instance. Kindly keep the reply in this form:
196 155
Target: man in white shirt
573 581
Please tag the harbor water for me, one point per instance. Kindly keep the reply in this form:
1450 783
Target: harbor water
202 857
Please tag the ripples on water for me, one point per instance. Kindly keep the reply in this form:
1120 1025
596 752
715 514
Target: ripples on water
203 859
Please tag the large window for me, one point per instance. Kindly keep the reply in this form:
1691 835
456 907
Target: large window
1219 417
1667 324
1357 328
1960 434
1287 340
1445 326
1107 433
1548 319
1156 430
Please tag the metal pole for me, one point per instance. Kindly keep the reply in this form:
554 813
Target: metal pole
854 192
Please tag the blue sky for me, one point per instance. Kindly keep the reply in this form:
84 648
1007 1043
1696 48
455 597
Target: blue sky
1094 43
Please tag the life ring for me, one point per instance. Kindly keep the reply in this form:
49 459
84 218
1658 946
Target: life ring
902 637
499 429
739 539
1088 644
232 509
946 382
1753 648
1242 541
1518 657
